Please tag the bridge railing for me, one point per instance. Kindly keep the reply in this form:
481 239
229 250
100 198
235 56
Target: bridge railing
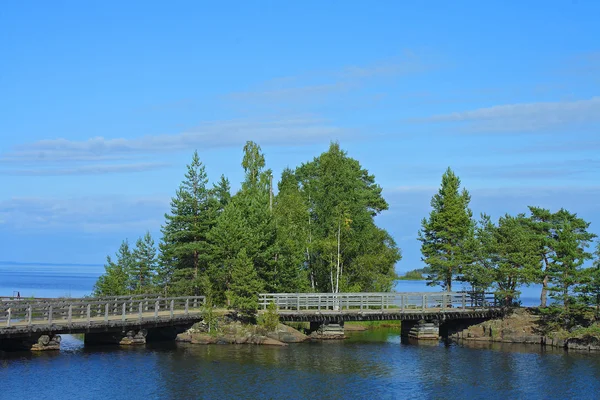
376 301
94 311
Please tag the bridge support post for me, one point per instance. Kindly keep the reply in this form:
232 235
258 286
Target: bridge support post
327 330
126 338
421 330
31 343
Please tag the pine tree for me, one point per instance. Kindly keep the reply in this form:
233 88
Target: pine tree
543 223
185 243
516 258
589 291
245 285
480 273
115 278
571 239
141 274
444 235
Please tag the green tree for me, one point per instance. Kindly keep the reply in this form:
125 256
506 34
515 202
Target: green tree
185 245
345 249
571 238
543 224
115 278
291 217
444 235
589 291
480 272
143 268
246 223
516 257
222 193
245 285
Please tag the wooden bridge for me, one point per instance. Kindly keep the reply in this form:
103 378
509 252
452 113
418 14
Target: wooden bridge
121 319
36 323
380 306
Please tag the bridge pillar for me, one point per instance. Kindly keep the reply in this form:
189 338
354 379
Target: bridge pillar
31 343
327 330
421 330
125 338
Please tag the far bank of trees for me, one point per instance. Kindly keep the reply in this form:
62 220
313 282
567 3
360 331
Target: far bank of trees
550 248
315 232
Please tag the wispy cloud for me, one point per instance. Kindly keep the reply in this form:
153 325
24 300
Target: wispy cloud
526 117
85 169
275 131
313 86
91 214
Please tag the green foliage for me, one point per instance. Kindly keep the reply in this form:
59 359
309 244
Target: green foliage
114 281
570 240
447 232
480 272
514 250
589 290
143 268
269 320
345 250
208 313
311 235
414 275
291 219
245 285
185 247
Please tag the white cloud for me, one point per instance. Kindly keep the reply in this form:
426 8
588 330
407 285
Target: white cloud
91 214
275 131
526 117
85 170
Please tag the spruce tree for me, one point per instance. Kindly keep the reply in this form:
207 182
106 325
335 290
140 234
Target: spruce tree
444 235
114 281
185 243
245 285
142 271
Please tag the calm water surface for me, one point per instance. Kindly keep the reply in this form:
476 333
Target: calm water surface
369 365
366 366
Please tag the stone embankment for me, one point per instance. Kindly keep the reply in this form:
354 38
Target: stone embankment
523 326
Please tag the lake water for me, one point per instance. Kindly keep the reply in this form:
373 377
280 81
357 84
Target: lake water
78 281
368 365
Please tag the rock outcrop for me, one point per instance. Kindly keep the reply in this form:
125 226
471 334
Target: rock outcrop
234 332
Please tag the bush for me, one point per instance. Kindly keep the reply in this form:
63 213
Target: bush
269 320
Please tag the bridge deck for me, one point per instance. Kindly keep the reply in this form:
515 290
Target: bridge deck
18 318
28 316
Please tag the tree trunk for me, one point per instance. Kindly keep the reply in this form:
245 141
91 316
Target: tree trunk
449 282
544 295
337 276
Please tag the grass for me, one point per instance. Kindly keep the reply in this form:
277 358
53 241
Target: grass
375 324
592 331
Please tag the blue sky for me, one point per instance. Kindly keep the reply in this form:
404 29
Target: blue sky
103 103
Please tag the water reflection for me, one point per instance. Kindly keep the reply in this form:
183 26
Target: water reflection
373 364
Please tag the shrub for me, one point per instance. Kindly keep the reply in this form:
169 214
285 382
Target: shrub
269 320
